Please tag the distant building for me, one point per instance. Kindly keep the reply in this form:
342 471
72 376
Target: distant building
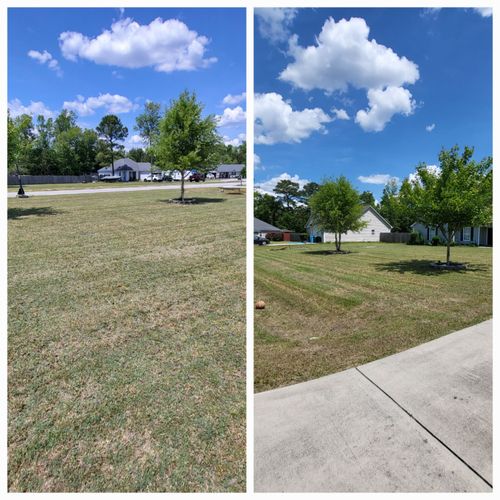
481 236
375 224
128 170
228 171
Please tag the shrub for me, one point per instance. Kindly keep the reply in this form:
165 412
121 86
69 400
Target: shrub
436 241
416 238
275 236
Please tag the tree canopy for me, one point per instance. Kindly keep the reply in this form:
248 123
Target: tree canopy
336 208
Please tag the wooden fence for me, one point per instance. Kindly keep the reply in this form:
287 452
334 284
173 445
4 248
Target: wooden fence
12 180
394 237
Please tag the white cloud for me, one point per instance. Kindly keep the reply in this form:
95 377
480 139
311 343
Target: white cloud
484 11
256 159
165 45
432 12
46 57
234 99
276 121
231 116
136 139
340 114
382 106
268 186
34 108
433 169
114 104
430 127
377 179
344 55
236 141
274 24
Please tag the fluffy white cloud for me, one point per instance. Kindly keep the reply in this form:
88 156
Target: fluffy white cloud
114 104
433 169
236 141
430 127
382 106
484 11
344 55
340 114
234 99
165 45
46 58
136 139
377 179
276 121
256 159
34 108
231 116
274 24
268 186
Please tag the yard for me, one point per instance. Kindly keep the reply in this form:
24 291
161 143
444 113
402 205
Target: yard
126 343
325 313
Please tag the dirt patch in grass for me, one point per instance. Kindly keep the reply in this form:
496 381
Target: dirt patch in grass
126 344
326 313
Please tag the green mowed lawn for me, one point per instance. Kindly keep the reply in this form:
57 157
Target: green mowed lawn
126 343
325 312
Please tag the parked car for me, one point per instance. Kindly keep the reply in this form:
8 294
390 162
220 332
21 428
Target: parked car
260 240
197 177
153 178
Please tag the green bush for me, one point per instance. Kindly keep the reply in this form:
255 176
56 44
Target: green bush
436 241
416 238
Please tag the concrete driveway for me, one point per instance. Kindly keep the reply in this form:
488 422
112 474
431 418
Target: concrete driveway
417 421
177 186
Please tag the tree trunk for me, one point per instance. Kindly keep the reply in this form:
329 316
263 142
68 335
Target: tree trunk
339 243
112 162
182 187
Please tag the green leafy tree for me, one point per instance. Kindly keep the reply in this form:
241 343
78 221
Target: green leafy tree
308 190
112 132
288 191
148 126
137 154
267 208
367 198
65 121
21 136
336 208
459 195
186 140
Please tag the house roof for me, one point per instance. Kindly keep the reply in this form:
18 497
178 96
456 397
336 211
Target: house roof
259 226
127 164
237 167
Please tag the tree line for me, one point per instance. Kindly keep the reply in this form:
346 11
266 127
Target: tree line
457 194
59 146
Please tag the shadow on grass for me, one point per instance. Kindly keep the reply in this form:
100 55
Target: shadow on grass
423 267
19 213
326 252
198 200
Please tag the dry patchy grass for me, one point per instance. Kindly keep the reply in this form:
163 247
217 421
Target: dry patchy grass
127 343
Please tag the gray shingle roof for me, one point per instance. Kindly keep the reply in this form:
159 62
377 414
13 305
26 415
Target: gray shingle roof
237 167
259 226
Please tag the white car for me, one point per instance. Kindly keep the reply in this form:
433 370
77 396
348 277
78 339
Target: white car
154 178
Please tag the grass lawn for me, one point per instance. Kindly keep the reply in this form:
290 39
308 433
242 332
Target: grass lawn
99 185
127 343
325 313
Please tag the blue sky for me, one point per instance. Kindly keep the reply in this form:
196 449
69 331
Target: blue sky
100 61
368 98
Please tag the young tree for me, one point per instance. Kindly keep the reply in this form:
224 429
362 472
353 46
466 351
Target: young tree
186 140
336 208
112 131
457 195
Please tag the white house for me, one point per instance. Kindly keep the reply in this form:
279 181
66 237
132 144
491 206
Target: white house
127 169
375 224
481 236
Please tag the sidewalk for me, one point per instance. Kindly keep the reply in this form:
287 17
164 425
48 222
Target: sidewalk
417 421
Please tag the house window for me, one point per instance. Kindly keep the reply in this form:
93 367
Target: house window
373 231
466 234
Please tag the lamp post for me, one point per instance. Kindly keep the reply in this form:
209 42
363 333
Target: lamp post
20 192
